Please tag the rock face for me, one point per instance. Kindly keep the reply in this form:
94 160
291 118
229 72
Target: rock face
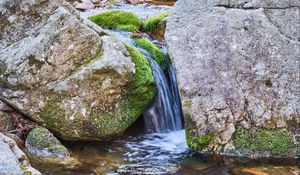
12 160
67 74
238 71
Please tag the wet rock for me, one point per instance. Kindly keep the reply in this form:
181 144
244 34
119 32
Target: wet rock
12 159
237 72
41 142
67 74
45 150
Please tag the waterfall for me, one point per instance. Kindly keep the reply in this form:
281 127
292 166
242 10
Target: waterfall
165 114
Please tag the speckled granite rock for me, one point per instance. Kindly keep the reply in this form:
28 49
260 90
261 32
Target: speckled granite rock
12 160
238 71
63 73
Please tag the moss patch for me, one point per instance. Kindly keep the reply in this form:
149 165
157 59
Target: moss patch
143 89
160 57
117 20
198 142
41 139
257 139
152 23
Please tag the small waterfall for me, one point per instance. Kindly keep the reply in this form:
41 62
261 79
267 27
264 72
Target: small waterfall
165 114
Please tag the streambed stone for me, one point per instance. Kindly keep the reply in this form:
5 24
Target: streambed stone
68 75
12 159
237 64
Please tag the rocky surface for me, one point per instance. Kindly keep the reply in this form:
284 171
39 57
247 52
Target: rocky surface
66 74
237 64
12 160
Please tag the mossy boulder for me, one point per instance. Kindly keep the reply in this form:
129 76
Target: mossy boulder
157 54
120 20
41 142
79 84
45 150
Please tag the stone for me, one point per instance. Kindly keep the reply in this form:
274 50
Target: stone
84 6
67 74
12 159
42 147
237 67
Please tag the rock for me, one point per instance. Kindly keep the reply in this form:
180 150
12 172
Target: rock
237 67
6 122
96 1
41 142
12 159
68 76
84 6
45 149
6 119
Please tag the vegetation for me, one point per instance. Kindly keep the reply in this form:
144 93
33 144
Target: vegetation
198 142
152 23
160 57
117 20
257 139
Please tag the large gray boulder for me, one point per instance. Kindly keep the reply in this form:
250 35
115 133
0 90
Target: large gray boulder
12 160
67 74
237 64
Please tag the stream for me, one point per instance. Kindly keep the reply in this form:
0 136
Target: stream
156 143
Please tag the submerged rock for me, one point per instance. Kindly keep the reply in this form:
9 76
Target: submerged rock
238 74
12 160
66 74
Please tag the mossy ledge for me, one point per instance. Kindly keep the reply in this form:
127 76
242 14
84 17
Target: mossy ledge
153 22
120 20
275 141
160 57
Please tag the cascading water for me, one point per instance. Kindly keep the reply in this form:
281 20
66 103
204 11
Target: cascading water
165 114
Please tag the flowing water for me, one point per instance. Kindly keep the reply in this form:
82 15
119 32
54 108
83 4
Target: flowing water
156 143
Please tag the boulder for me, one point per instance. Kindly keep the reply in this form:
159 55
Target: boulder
12 160
237 64
67 74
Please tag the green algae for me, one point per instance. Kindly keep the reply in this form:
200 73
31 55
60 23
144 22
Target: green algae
121 20
159 56
258 139
152 23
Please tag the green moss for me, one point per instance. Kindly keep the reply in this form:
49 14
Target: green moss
152 23
41 139
142 91
32 61
198 142
117 20
160 57
269 83
257 139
